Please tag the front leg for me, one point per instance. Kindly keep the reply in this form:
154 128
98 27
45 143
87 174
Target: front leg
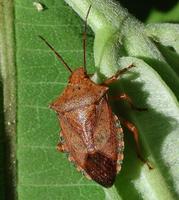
116 76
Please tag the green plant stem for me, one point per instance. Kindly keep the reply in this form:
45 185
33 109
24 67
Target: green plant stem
7 63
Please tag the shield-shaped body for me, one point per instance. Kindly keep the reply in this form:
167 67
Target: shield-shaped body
92 133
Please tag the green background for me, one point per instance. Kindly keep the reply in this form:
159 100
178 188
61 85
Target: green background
42 172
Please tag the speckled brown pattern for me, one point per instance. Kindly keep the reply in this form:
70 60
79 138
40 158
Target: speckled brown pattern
89 128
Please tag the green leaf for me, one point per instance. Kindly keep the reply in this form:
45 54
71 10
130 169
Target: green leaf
165 33
44 173
159 16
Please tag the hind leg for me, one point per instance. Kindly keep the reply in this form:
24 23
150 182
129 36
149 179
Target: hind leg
125 97
134 131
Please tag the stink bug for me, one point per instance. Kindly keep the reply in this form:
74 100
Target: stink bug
92 134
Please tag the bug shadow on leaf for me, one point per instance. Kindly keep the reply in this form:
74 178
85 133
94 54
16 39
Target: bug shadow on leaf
153 128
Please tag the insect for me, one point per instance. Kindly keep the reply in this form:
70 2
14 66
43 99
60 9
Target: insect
92 134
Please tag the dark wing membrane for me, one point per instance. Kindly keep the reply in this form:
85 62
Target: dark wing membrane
101 168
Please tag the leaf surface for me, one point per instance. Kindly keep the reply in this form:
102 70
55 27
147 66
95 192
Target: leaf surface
44 173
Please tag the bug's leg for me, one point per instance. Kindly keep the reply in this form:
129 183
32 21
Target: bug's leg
116 76
61 144
125 97
134 131
60 147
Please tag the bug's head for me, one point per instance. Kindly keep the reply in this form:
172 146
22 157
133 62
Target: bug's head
78 75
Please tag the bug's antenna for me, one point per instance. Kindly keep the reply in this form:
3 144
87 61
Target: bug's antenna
57 54
84 38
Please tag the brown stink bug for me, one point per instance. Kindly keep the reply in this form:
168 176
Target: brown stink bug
92 134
